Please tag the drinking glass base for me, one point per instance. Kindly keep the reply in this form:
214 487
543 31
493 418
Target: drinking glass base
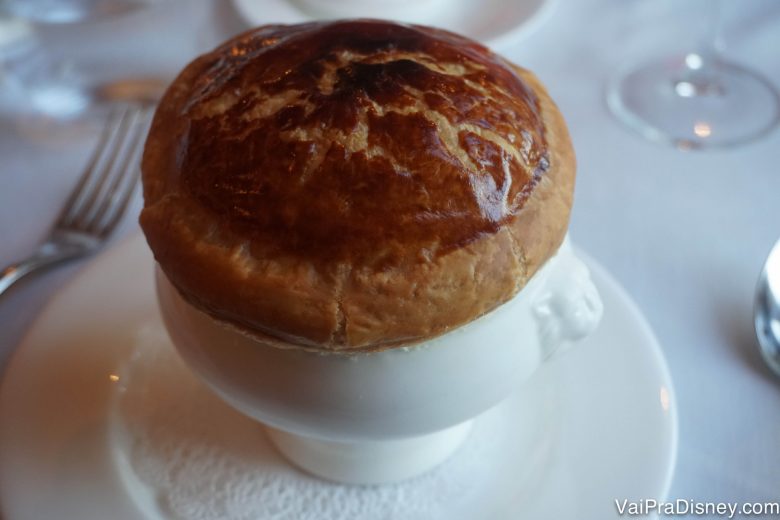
694 103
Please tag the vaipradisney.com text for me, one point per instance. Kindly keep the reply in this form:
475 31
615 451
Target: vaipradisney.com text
684 507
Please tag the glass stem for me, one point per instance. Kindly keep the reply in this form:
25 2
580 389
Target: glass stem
700 73
711 47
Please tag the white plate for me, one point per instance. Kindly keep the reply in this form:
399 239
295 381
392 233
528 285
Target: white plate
95 403
496 23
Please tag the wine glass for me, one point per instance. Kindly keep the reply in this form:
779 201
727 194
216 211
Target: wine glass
69 11
695 99
40 74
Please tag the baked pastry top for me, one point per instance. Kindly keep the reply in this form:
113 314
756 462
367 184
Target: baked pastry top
354 185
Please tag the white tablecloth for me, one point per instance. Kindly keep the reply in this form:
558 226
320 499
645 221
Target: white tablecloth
685 232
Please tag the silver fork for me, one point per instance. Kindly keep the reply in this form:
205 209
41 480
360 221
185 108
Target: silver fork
98 201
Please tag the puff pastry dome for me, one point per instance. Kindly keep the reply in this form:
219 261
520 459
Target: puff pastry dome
354 185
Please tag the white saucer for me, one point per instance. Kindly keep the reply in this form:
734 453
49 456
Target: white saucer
496 23
95 402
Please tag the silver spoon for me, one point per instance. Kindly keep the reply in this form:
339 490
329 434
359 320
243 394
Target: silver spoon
767 309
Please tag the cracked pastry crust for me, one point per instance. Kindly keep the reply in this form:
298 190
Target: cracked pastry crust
354 185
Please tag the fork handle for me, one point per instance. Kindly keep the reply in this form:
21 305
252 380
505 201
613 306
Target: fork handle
45 256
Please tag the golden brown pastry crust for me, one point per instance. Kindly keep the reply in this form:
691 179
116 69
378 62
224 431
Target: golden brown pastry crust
354 185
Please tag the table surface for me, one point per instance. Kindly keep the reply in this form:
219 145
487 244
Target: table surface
686 233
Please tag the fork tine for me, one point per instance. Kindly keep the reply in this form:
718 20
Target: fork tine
124 182
75 200
100 191
120 160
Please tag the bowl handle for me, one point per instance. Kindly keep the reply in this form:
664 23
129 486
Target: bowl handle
569 307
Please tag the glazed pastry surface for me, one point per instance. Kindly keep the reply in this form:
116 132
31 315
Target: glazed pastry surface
354 185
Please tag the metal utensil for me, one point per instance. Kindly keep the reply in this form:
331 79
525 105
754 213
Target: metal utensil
766 312
99 199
